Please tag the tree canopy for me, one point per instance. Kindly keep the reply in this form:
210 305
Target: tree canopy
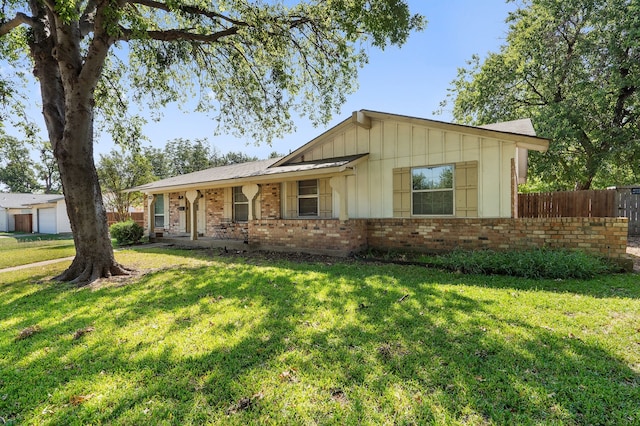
181 156
16 167
253 63
118 171
574 68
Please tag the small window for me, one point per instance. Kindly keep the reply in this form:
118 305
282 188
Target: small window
308 198
158 213
240 205
432 190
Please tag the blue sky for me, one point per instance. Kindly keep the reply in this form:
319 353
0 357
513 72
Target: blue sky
411 80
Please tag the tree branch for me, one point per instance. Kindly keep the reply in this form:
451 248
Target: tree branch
18 20
175 35
188 9
88 17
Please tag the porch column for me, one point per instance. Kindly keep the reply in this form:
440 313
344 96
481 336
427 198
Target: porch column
192 198
151 219
339 184
250 191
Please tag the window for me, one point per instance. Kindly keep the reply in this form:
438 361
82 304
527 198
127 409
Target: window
240 205
432 190
308 197
158 213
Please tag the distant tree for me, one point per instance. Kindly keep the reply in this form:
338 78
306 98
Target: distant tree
234 158
160 167
573 67
275 154
184 156
118 171
47 170
16 167
181 156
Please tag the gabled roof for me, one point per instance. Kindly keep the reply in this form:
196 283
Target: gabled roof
520 131
11 200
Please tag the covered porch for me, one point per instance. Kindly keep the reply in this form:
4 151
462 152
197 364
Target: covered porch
184 240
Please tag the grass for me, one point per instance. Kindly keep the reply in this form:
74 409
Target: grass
248 341
16 249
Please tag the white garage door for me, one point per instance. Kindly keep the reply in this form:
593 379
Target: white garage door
47 221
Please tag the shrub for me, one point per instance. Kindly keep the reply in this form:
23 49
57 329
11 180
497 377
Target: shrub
535 263
128 232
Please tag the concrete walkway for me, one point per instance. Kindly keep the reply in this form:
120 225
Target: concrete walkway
62 259
36 264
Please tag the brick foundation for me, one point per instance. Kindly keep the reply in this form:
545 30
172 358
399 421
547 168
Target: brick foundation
602 236
330 236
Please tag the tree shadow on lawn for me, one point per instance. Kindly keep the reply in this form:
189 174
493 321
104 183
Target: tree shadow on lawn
298 343
620 285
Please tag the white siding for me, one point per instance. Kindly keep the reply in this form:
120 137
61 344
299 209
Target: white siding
62 218
395 143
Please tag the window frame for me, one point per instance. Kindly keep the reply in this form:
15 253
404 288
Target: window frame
235 202
308 197
156 215
452 166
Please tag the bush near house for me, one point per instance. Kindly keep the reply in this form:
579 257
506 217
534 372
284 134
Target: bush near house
128 232
535 263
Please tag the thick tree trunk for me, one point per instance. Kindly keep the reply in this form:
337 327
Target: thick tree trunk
67 84
94 254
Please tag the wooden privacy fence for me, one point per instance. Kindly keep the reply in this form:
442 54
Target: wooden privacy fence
629 206
137 217
619 202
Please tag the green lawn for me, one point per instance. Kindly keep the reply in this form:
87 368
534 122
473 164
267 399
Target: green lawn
234 341
18 249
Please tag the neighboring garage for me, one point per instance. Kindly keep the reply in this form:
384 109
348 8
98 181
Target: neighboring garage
47 220
47 213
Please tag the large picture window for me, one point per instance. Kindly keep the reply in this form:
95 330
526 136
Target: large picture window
432 190
308 197
158 212
240 205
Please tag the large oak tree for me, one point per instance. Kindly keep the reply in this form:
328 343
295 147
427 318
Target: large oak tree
573 66
253 62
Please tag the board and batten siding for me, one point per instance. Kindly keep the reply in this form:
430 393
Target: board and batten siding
393 144
465 190
325 199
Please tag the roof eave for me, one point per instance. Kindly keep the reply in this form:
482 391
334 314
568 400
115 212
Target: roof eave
344 169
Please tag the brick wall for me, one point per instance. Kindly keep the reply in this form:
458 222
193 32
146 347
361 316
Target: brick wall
215 209
603 236
145 209
309 235
270 205
172 224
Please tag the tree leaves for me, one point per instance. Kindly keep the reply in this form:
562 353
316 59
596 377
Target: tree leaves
16 167
117 172
572 67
